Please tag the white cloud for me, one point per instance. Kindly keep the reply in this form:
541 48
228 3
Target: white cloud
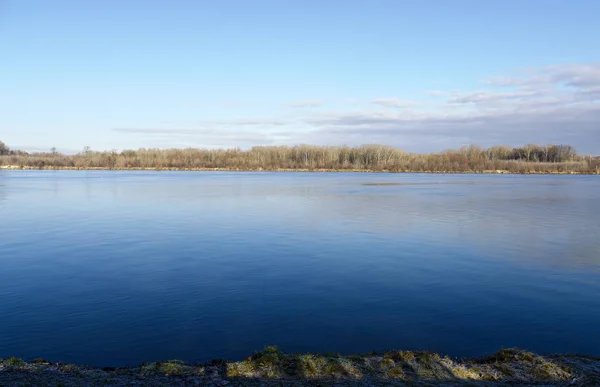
554 104
491 96
437 93
394 102
574 75
304 104
200 137
249 122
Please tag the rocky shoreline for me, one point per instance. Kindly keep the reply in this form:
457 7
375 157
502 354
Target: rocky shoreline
271 367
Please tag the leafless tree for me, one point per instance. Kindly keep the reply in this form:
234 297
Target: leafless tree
4 150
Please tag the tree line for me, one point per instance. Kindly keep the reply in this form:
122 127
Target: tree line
526 159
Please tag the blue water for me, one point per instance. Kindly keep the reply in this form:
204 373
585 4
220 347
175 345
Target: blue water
117 268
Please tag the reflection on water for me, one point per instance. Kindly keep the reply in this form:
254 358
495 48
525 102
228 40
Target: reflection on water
123 267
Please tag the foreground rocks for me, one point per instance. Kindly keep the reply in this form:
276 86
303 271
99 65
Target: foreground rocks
272 367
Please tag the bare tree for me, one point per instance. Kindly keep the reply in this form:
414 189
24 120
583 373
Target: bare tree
4 150
527 159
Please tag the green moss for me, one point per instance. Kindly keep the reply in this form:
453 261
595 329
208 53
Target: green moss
428 357
429 365
460 371
171 369
350 369
403 366
507 356
332 369
312 366
271 349
405 356
14 363
268 356
241 369
551 371
149 368
40 361
356 358
506 369
267 363
488 372
395 373
526 356
424 371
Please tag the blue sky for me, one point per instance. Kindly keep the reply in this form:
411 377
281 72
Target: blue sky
420 75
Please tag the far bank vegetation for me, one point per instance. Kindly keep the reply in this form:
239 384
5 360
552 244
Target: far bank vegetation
526 159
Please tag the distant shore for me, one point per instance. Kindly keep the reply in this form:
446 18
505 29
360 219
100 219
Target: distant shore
528 159
489 172
271 367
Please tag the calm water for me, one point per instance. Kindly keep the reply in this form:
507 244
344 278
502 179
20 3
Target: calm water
116 268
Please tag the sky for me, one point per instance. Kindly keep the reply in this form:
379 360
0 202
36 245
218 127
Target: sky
420 75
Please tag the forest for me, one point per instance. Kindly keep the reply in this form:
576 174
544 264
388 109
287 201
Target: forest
530 158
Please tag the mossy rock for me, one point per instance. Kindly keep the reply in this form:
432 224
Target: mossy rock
395 372
39 361
174 368
551 371
14 363
387 363
405 356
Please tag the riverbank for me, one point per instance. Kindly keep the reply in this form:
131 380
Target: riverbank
272 367
487 172
561 159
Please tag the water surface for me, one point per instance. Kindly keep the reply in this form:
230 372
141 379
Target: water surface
117 268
